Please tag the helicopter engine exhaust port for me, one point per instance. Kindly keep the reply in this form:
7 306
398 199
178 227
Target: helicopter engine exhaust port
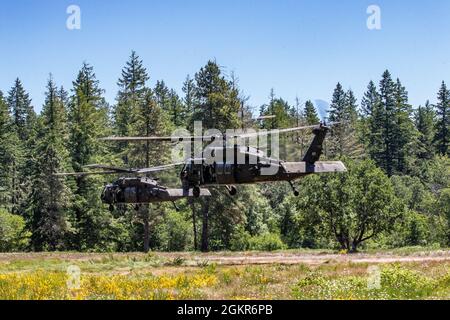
231 190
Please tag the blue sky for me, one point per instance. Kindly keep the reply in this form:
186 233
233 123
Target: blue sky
296 47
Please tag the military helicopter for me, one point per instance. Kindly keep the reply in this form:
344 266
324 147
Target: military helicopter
254 166
137 189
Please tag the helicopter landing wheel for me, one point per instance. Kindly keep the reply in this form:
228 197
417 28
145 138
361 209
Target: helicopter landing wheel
196 192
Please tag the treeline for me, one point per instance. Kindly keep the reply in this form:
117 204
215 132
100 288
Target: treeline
396 192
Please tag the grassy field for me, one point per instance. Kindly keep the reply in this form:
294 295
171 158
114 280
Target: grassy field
411 273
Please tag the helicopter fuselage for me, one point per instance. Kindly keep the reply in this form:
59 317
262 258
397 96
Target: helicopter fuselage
247 166
139 190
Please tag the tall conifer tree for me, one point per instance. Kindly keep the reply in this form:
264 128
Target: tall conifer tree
22 111
370 107
425 124
50 196
189 98
442 138
24 122
405 134
311 116
149 119
88 121
129 98
217 107
386 124
9 149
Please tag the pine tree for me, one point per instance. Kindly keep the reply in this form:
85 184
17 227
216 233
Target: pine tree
385 123
176 109
392 136
442 137
130 96
149 120
88 121
338 114
370 100
351 107
311 116
5 153
217 103
189 101
217 107
337 107
405 134
24 122
64 96
282 112
161 93
425 125
8 156
130 99
23 114
189 98
351 145
343 117
370 105
50 195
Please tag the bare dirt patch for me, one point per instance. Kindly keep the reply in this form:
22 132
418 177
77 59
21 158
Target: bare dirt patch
237 258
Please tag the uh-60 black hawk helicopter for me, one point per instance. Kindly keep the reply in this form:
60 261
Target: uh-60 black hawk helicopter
137 189
247 165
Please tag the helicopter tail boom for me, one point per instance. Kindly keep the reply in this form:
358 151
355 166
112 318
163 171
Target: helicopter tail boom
317 167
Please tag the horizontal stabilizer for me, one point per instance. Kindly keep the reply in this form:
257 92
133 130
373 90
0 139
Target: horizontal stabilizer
316 167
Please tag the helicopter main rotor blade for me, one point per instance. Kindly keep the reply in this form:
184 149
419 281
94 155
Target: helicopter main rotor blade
208 137
81 174
168 139
109 168
159 168
270 132
266 117
117 170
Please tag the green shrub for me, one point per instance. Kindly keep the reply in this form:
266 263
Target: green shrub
240 240
175 233
13 236
395 283
266 242
400 283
